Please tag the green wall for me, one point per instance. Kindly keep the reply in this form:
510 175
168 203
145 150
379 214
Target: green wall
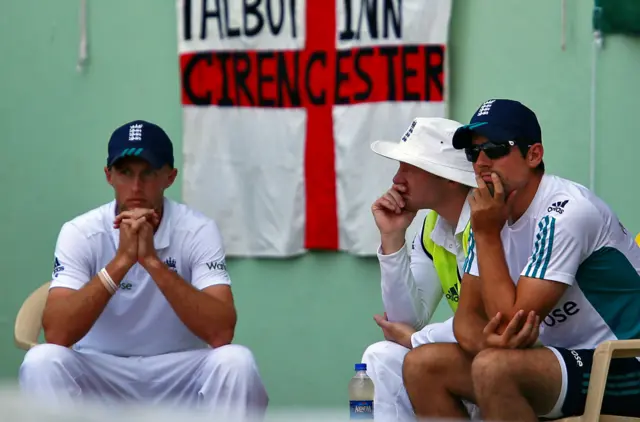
307 319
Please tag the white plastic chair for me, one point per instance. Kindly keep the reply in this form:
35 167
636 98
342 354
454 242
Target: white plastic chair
29 319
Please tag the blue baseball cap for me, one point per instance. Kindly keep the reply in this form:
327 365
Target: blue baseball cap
141 139
500 121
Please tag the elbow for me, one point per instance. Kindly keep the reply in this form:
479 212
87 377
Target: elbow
221 338
223 334
57 337
468 343
469 346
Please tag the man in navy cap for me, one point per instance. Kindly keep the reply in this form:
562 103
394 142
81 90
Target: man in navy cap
545 255
140 306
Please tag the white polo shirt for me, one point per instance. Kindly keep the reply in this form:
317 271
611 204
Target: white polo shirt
138 320
411 288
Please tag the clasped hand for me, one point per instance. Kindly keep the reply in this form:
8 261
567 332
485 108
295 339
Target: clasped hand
136 234
516 335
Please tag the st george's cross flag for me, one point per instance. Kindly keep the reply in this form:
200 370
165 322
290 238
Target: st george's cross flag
281 100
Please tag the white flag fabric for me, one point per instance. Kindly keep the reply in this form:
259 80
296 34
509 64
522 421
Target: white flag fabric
281 101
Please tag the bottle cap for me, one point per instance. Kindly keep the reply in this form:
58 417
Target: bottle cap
361 366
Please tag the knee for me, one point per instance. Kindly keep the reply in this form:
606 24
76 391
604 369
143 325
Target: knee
421 362
44 356
373 353
382 352
384 361
43 361
231 358
489 366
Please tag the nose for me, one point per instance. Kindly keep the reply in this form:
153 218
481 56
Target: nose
483 160
399 178
137 184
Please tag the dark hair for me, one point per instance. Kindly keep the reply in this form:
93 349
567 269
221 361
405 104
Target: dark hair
523 146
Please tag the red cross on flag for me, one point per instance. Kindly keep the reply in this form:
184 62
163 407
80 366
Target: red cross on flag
281 101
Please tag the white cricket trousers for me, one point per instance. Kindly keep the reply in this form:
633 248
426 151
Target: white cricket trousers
224 380
391 401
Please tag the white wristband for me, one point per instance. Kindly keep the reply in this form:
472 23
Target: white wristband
105 283
108 281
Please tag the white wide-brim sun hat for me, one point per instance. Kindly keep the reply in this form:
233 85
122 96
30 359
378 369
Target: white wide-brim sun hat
427 144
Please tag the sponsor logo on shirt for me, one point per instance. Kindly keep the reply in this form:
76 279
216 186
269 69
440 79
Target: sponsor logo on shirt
623 228
578 358
453 293
57 267
558 206
126 286
171 263
561 314
215 265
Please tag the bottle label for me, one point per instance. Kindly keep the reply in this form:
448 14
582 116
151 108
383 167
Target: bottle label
361 409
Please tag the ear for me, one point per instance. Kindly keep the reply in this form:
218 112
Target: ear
107 174
173 173
534 155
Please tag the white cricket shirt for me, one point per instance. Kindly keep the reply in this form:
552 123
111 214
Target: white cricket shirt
411 288
569 235
138 320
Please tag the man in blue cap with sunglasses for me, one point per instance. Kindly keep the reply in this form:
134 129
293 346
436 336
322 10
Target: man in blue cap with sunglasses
545 254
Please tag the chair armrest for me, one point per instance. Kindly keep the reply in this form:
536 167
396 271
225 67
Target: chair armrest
611 349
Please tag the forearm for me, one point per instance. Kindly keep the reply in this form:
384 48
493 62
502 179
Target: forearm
402 299
204 315
468 330
498 289
392 242
68 318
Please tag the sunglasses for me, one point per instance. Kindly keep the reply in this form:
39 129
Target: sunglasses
493 151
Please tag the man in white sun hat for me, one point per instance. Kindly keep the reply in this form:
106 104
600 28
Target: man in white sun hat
434 176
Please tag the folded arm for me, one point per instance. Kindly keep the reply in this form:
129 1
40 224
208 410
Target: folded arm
205 304
76 299
470 318
500 294
411 288
208 313
561 243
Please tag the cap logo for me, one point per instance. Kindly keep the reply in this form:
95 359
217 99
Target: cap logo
485 107
131 151
409 131
135 132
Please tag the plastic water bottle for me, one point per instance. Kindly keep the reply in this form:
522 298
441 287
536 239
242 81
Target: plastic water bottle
361 392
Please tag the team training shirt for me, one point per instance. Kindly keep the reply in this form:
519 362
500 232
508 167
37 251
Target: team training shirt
138 320
569 235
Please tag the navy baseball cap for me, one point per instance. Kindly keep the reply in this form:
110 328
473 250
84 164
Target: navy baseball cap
500 121
141 139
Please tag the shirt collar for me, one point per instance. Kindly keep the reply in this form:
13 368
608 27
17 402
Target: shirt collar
443 230
465 216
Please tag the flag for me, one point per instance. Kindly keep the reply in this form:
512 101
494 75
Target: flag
281 100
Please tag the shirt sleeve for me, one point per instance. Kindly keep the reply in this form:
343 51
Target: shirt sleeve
437 332
471 262
411 288
208 261
71 264
562 240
